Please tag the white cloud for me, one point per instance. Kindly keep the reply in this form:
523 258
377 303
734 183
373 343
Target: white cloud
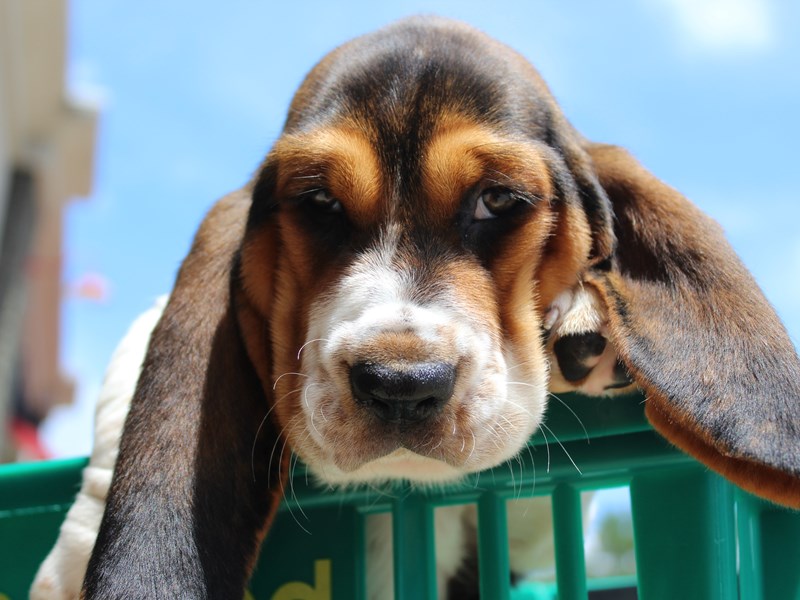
723 26
83 86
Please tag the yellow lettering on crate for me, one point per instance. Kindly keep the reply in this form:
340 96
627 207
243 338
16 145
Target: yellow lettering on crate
298 590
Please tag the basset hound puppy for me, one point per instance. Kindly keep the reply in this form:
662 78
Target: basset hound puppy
427 248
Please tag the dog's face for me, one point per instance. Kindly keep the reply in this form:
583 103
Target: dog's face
415 216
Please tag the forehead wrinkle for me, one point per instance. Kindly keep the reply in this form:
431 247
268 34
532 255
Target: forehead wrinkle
461 155
339 159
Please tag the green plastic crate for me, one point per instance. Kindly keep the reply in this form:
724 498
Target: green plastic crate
696 536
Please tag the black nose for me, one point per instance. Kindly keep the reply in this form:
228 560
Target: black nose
408 394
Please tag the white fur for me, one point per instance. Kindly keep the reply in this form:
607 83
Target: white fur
576 311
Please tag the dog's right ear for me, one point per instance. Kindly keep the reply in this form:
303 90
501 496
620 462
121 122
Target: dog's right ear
193 491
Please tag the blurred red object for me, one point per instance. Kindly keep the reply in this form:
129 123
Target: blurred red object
27 441
91 286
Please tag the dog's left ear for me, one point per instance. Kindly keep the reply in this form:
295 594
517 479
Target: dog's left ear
721 376
195 485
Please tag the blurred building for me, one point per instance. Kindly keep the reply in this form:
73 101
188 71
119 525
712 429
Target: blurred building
47 144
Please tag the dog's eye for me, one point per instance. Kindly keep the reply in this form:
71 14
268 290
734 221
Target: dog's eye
493 202
323 200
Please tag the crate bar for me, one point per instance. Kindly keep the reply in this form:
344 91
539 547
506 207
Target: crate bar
780 552
605 462
683 518
493 561
748 527
360 557
568 534
414 548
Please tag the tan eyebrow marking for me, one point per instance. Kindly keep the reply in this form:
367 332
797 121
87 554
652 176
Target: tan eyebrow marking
463 153
339 159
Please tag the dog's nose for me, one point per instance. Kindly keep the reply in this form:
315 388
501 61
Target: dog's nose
409 394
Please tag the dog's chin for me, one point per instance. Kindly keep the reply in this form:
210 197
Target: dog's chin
401 464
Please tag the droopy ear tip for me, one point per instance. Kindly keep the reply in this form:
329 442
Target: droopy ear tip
759 479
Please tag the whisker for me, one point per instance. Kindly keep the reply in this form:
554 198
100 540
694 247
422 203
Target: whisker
314 427
521 364
294 391
513 479
472 433
291 486
305 393
546 446
258 431
503 429
494 435
557 398
271 456
288 373
426 443
577 418
563 448
518 459
278 439
253 449
519 406
309 342
274 447
533 468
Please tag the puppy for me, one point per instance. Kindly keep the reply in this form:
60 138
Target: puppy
392 294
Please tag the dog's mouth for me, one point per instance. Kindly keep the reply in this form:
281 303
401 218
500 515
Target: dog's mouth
435 431
401 449
404 464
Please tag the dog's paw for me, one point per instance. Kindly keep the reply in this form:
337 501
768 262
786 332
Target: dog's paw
582 359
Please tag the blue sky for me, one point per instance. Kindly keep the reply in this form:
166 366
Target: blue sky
705 93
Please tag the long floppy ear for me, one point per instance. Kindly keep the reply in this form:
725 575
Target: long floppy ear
188 505
721 376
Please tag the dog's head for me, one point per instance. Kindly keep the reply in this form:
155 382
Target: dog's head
410 234
423 207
